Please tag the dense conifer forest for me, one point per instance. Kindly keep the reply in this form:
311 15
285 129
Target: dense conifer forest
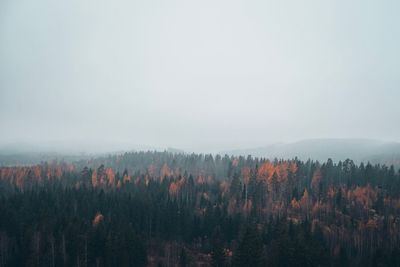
166 209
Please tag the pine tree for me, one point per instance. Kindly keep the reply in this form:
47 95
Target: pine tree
250 249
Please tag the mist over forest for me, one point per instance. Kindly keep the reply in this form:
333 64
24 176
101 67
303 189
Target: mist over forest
199 133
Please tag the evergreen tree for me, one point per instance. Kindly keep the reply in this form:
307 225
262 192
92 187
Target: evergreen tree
250 249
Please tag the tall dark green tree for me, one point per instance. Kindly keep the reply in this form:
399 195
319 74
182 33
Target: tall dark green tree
250 250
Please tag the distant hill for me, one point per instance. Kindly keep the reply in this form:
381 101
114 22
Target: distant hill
175 150
336 149
68 151
359 150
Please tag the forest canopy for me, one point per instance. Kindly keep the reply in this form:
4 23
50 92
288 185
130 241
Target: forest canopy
168 209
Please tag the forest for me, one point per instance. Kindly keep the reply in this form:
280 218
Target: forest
175 209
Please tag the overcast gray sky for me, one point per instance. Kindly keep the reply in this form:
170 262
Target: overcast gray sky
199 74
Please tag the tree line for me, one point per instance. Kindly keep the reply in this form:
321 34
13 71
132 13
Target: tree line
165 209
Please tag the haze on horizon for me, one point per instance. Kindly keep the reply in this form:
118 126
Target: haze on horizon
198 75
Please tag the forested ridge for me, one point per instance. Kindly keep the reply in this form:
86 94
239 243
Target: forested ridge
166 209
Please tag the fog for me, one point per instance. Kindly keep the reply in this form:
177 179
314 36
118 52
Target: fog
197 75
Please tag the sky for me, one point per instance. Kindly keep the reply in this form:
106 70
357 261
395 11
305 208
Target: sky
198 75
